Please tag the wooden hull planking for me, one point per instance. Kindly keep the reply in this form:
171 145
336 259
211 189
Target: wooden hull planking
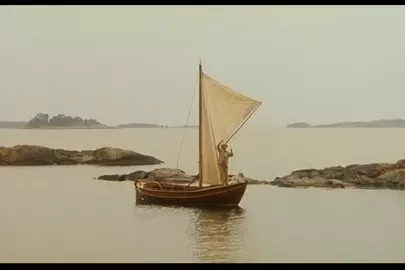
148 192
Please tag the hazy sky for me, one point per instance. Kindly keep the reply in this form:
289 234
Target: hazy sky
120 64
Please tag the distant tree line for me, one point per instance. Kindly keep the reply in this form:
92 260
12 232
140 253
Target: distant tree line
60 120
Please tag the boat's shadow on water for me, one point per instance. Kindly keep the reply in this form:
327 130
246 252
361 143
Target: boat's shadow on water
215 234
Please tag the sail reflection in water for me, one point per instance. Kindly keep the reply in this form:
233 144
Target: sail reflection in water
217 235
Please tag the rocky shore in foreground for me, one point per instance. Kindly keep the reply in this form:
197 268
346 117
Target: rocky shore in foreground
165 175
373 175
34 155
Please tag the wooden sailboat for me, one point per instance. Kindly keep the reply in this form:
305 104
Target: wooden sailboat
222 113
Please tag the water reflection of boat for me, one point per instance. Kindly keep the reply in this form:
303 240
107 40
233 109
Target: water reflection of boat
218 235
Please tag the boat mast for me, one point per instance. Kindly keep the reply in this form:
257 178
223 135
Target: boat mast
200 97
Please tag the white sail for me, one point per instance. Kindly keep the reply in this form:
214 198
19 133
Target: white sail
223 112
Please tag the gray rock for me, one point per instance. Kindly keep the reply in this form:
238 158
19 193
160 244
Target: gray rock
34 155
167 175
163 173
109 177
373 175
252 181
137 175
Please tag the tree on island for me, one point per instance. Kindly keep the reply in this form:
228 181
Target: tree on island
60 120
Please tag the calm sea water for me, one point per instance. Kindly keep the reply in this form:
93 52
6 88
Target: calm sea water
61 214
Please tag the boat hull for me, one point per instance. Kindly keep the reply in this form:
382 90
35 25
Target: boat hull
171 194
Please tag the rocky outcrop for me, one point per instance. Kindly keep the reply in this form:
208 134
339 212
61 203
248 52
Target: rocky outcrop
374 175
34 155
163 174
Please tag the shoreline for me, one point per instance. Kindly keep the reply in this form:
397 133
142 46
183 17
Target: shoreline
168 175
96 128
383 123
354 176
62 121
35 155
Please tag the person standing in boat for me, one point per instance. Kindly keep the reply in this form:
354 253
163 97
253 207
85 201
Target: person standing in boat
223 161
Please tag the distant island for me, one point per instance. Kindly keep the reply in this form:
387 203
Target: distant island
42 120
388 123
61 121
140 125
13 124
186 126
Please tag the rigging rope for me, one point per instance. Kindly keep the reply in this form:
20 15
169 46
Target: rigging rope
185 130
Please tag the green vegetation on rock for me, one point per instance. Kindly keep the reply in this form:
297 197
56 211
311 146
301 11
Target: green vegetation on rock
42 120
